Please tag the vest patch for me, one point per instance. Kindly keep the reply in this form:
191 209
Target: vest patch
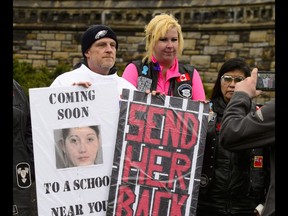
23 174
15 210
185 91
183 77
204 180
258 161
144 83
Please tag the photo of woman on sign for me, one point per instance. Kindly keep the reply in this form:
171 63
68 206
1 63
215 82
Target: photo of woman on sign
79 146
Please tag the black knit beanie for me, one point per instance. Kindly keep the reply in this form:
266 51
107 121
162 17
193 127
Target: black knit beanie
94 33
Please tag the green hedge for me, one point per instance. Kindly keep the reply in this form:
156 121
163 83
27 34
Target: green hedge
31 77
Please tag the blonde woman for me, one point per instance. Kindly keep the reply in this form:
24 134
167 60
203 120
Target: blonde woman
160 71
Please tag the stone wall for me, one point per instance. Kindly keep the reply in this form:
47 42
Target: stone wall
48 32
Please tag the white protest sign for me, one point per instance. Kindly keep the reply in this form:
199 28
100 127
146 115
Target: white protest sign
79 190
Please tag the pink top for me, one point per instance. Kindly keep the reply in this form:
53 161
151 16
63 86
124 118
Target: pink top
130 74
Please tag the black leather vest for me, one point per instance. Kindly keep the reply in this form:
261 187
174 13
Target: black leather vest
179 86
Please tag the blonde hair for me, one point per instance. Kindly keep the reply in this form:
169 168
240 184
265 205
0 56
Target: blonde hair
157 28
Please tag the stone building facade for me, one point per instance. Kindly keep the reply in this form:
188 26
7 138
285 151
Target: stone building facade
48 32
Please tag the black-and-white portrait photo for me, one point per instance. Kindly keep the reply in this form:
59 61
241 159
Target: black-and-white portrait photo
78 146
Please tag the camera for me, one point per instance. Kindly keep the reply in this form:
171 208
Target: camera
266 81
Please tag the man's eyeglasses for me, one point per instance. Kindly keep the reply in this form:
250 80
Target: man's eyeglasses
229 79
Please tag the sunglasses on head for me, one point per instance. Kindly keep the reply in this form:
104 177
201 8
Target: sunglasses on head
229 79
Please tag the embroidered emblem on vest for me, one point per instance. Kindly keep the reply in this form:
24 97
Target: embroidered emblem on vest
258 161
185 90
204 180
23 175
183 77
15 210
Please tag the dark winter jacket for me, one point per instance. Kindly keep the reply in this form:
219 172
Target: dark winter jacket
242 129
231 182
23 169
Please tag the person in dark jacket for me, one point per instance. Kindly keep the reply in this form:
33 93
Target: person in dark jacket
242 129
230 183
23 163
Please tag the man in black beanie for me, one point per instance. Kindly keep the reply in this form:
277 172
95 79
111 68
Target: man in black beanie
98 45
94 33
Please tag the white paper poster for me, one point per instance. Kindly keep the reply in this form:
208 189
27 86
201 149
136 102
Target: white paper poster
67 186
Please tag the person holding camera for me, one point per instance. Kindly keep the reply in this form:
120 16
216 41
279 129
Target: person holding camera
233 183
242 129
